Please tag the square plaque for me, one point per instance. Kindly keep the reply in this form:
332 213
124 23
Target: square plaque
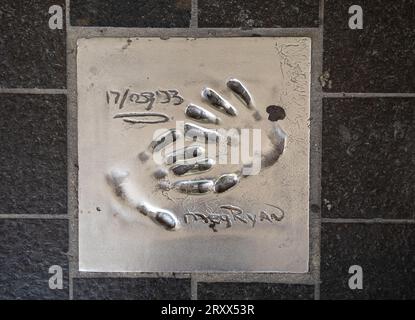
193 154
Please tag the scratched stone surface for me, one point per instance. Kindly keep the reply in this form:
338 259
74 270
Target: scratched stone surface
254 291
126 204
377 58
131 289
385 252
258 14
28 248
33 153
31 54
368 150
131 13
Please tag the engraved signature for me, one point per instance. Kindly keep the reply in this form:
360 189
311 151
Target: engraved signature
228 215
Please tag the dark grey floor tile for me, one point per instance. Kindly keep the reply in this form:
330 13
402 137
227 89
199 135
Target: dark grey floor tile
253 291
258 14
129 13
28 248
31 54
33 154
377 58
368 158
131 289
385 252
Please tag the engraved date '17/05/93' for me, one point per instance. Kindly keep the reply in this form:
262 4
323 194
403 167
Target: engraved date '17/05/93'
146 98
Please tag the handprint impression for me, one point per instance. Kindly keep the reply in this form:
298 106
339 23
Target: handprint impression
192 160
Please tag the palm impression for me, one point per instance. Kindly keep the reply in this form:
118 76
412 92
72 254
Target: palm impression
214 147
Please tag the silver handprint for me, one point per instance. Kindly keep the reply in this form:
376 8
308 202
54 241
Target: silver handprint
193 159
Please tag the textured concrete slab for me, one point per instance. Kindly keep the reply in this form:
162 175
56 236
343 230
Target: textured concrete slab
131 13
131 289
33 156
376 58
31 252
32 55
258 14
383 251
368 154
254 291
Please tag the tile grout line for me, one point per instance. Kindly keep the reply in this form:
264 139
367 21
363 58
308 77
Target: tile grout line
34 216
368 221
321 49
70 277
193 287
176 32
194 24
368 95
271 277
129 275
246 277
194 12
32 91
